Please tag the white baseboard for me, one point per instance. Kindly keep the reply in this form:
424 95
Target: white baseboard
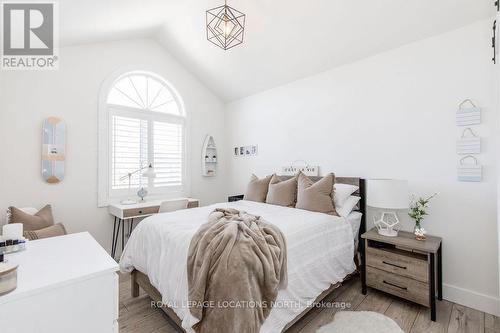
472 299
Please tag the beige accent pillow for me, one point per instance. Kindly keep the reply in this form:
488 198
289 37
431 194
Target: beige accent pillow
42 219
52 231
316 197
282 192
257 189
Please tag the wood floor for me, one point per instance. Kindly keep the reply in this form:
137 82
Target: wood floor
136 314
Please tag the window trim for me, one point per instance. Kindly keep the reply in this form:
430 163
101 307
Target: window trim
105 111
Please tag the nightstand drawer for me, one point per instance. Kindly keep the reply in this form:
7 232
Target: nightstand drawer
403 287
127 213
399 262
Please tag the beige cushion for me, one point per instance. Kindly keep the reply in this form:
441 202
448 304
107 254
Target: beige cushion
42 219
257 189
52 231
282 192
316 197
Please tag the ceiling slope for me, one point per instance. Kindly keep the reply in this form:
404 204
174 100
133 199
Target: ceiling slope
284 39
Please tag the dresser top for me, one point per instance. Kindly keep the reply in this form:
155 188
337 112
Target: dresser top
58 261
407 240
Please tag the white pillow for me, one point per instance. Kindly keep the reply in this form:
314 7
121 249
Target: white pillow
342 192
348 206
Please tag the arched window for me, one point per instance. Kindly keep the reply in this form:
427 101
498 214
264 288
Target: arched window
145 125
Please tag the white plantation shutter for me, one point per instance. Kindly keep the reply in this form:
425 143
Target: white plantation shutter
143 91
146 125
129 150
167 153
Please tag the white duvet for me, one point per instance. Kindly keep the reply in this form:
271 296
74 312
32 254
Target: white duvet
320 253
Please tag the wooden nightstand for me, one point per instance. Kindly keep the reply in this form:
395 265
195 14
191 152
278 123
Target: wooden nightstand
404 267
233 198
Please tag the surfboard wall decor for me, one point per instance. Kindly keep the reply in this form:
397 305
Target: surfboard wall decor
53 150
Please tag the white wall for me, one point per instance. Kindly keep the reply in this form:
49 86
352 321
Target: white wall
72 93
393 115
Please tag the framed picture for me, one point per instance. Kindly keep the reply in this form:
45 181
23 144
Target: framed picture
248 150
242 151
236 151
255 150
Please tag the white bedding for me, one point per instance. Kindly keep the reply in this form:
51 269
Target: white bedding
354 219
320 253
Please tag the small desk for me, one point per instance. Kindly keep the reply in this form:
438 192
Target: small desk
124 213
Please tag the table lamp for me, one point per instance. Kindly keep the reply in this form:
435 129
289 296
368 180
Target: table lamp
388 194
149 173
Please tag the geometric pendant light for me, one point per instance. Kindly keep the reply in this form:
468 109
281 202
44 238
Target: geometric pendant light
225 26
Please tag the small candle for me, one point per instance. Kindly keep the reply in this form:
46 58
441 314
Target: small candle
13 230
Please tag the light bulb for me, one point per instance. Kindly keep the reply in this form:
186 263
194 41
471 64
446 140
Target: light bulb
227 29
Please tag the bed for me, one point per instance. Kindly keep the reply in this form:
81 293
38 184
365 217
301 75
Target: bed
321 251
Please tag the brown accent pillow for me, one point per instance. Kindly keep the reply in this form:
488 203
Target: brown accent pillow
52 231
257 189
316 197
282 192
42 219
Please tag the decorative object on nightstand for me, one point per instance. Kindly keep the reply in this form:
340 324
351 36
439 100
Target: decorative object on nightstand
149 173
388 194
404 267
209 157
418 212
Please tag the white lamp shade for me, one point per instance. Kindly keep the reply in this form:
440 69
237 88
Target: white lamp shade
387 193
150 172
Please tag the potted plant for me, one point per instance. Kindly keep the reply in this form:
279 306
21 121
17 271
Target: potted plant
418 211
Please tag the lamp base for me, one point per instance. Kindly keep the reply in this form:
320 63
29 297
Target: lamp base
388 233
128 202
384 226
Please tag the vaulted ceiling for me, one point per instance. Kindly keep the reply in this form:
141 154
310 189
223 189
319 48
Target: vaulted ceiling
284 39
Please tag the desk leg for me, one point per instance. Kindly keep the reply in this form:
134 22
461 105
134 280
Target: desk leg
113 246
440 273
131 226
123 234
115 237
432 293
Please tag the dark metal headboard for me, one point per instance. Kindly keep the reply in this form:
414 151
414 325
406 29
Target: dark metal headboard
360 182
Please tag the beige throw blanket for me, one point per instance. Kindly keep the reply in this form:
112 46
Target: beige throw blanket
236 265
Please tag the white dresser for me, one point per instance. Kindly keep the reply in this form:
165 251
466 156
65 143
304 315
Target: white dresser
64 284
